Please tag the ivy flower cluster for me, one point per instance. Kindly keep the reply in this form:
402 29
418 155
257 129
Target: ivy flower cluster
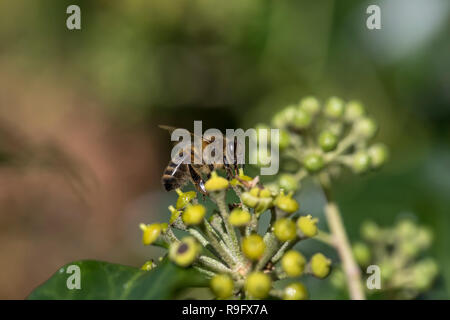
399 253
226 247
317 138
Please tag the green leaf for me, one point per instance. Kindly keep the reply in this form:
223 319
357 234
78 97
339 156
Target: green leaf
103 280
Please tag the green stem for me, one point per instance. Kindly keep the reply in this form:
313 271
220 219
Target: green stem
342 244
284 247
219 246
207 273
272 246
221 204
324 237
213 265
197 235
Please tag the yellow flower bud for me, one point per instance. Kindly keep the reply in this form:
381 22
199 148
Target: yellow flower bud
258 285
284 229
259 199
222 286
216 183
254 191
193 214
185 252
249 200
184 198
320 265
149 265
253 246
265 193
243 177
174 214
307 225
295 291
293 263
286 203
239 217
150 233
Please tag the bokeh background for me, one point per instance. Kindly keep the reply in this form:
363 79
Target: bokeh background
81 155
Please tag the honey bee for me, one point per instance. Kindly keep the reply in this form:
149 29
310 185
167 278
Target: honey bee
178 173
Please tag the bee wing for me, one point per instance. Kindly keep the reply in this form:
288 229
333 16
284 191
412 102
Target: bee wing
172 129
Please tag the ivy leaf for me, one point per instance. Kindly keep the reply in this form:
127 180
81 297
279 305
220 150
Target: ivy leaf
103 280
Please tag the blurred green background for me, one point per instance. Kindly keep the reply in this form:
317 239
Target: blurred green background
81 155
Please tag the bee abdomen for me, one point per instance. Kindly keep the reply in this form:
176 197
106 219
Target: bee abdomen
174 176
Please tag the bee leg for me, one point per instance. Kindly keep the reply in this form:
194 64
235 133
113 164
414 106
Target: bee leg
229 172
197 181
211 169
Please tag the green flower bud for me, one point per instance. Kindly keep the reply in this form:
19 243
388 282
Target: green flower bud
302 119
366 127
313 162
262 157
293 263
284 229
320 265
258 285
262 126
239 217
378 154
353 111
285 140
327 141
279 120
406 229
222 286
284 117
335 128
184 252
150 233
370 231
288 182
409 249
310 105
295 291
424 237
424 272
361 252
193 214
361 162
387 270
184 198
286 203
148 265
216 183
253 246
337 279
307 226
334 108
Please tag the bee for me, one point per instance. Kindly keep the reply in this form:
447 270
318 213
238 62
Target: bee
179 172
